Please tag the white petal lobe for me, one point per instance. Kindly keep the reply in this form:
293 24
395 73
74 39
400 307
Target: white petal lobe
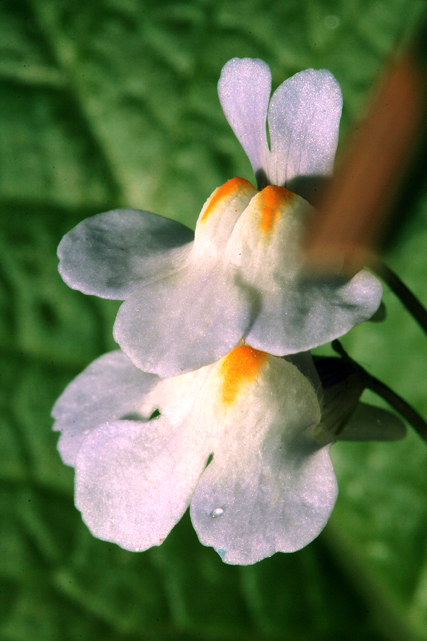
303 120
196 315
244 91
269 487
183 322
111 254
134 480
109 388
290 312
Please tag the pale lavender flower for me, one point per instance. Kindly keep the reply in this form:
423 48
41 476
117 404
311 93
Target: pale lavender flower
189 302
243 436
270 485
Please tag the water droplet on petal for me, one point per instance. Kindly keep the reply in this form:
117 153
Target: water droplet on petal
217 512
221 552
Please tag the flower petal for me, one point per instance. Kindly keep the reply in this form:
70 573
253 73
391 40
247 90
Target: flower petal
176 397
369 423
110 388
195 316
111 254
134 480
303 120
312 312
269 487
244 91
183 322
290 312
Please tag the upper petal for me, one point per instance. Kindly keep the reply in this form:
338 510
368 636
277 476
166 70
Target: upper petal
303 120
109 388
244 91
110 254
270 487
134 480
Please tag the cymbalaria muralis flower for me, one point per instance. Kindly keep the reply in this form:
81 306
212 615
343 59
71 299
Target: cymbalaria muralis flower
270 485
214 331
188 303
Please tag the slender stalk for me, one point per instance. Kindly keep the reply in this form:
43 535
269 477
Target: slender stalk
381 389
398 287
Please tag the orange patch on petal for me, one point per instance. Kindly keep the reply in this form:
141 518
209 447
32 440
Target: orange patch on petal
239 368
270 201
229 189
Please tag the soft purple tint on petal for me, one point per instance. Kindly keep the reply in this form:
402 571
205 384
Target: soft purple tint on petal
110 388
134 480
111 254
270 487
244 91
369 423
183 322
303 120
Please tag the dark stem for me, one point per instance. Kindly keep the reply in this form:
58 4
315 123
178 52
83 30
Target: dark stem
411 302
381 389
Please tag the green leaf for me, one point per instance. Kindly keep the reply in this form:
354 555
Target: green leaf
113 103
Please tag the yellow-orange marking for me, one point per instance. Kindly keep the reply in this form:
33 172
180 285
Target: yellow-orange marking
270 201
228 189
239 368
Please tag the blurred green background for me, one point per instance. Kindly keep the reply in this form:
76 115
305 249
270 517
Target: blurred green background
113 103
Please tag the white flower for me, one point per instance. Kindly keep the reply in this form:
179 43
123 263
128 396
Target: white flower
270 485
243 436
188 303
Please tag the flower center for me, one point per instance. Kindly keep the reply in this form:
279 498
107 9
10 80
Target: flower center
238 369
